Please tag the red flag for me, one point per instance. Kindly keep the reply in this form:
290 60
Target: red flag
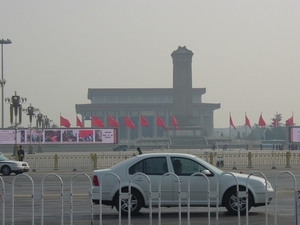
112 122
289 122
261 121
128 123
160 122
96 122
78 122
231 122
247 122
64 122
144 122
174 122
275 123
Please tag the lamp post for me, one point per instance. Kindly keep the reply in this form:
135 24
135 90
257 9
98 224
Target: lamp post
47 122
15 108
30 112
2 84
3 81
42 122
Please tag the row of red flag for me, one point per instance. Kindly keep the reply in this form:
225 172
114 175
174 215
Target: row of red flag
112 122
262 123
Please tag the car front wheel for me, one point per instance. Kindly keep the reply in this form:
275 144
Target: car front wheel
232 205
135 204
6 171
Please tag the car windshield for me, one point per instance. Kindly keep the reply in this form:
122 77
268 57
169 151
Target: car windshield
3 158
208 165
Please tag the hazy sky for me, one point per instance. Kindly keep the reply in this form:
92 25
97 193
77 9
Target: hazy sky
246 53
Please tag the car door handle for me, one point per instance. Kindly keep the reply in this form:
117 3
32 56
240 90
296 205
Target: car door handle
177 180
139 179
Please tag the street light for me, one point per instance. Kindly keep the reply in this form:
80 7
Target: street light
15 108
30 112
47 122
3 81
42 122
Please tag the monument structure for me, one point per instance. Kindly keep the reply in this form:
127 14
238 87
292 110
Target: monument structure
190 132
182 86
194 118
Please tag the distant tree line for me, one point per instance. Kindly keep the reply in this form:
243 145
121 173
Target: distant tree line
270 132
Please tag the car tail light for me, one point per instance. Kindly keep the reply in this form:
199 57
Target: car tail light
95 181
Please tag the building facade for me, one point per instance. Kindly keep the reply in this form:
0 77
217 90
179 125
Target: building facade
181 101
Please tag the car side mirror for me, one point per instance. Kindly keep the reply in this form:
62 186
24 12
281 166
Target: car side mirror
206 172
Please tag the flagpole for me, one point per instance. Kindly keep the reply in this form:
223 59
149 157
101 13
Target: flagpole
229 125
174 139
262 131
245 132
277 126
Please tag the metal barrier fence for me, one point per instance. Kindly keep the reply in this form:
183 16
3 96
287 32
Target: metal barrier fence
40 196
127 196
106 160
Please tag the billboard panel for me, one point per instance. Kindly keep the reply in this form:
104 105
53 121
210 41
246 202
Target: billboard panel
7 137
60 136
294 134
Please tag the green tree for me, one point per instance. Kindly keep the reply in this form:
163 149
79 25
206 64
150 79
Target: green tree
54 125
277 132
279 118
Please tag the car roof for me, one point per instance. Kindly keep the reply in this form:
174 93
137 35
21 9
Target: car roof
146 155
165 154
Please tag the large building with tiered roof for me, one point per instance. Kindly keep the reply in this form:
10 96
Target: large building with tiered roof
194 117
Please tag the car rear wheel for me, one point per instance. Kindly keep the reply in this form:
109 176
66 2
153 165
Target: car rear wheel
6 171
231 203
135 204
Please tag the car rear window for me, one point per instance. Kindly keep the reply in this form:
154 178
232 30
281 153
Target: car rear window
150 166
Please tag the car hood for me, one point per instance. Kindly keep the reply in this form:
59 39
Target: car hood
242 178
12 162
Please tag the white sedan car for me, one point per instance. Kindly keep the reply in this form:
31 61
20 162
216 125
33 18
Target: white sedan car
8 166
179 168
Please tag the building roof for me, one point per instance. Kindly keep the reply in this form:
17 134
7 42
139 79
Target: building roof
80 108
101 91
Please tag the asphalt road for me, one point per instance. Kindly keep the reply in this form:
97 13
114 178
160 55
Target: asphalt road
53 186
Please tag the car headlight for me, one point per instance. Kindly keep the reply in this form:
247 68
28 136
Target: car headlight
24 164
268 184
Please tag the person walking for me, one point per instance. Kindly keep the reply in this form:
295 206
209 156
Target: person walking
21 153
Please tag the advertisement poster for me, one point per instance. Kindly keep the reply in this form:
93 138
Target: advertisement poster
295 134
7 137
60 136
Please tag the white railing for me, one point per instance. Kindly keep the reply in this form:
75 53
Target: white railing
106 160
36 195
